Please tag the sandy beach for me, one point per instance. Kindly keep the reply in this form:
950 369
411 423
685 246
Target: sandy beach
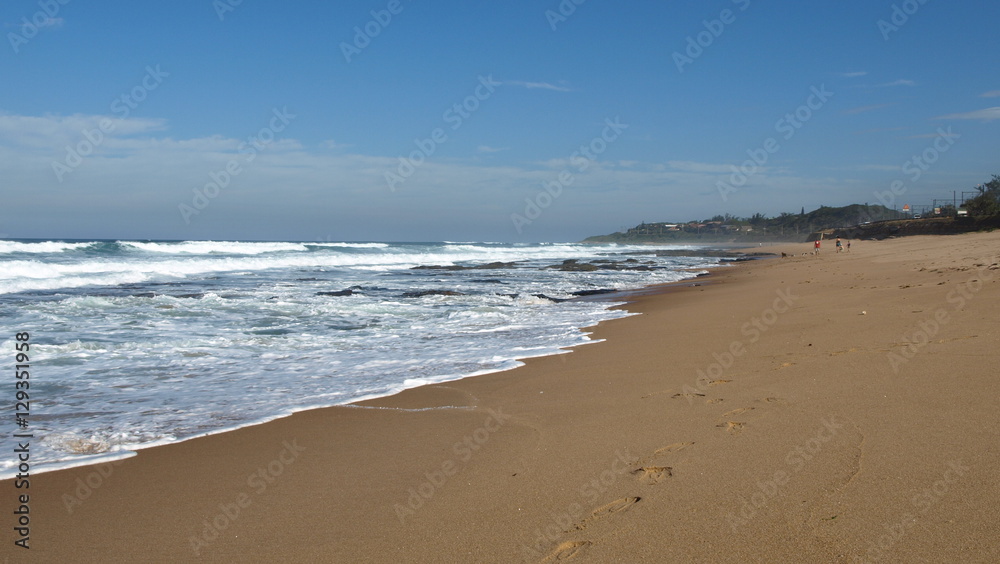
830 408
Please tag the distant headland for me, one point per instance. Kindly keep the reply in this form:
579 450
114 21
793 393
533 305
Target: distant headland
855 221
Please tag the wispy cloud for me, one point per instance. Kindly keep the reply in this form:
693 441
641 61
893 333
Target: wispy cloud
893 84
990 94
854 74
932 136
691 166
488 149
879 130
52 22
54 132
331 144
986 114
900 82
878 167
538 85
47 22
863 109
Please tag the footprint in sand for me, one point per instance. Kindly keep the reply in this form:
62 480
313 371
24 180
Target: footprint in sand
688 396
737 411
717 382
616 506
657 454
567 550
732 427
715 400
670 448
651 475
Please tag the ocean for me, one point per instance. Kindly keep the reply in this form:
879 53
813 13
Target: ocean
140 343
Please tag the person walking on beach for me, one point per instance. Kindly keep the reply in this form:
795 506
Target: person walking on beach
848 246
816 247
840 246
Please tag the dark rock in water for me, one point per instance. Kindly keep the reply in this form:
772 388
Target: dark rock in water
642 268
494 265
487 266
594 292
544 297
511 296
195 296
347 292
572 265
422 293
488 280
700 274
145 295
306 279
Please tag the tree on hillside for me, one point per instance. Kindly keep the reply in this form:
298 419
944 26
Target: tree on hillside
987 203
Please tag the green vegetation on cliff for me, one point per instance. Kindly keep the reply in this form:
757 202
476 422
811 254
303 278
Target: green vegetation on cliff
727 228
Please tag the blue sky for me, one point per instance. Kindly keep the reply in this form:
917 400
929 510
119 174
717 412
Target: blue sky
465 120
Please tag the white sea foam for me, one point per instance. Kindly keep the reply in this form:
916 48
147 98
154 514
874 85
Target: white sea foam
351 245
8 247
214 247
209 339
19 275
